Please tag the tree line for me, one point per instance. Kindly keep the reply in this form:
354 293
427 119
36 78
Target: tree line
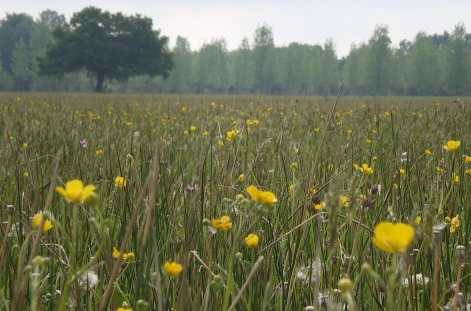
429 65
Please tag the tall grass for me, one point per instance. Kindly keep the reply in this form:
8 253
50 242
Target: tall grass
181 173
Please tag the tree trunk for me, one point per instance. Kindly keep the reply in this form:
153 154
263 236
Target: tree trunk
99 82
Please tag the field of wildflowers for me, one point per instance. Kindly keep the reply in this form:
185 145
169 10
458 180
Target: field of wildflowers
114 202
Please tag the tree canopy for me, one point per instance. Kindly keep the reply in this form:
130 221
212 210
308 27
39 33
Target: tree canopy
107 46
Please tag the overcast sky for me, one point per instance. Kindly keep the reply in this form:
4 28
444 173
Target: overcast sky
302 21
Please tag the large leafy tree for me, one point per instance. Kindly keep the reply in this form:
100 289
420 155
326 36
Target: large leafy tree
111 46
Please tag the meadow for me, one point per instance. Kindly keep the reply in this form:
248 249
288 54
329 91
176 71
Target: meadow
122 202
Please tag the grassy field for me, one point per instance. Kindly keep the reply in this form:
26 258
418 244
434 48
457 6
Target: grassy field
180 216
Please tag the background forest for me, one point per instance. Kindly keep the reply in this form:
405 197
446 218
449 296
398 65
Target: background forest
437 64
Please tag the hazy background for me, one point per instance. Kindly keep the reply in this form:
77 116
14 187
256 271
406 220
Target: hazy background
345 22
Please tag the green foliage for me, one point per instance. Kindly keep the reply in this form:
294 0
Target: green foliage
107 45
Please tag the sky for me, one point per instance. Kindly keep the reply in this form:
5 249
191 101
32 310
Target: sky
302 21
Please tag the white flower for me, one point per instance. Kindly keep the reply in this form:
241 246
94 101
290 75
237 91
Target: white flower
88 280
419 280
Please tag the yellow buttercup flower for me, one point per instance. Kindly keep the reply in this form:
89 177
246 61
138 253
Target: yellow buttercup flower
452 145
37 221
320 206
241 177
343 201
75 191
120 182
427 152
467 159
172 268
223 223
393 238
454 223
123 309
263 197
231 135
251 240
366 169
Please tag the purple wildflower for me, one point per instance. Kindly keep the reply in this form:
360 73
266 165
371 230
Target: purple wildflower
189 188
83 143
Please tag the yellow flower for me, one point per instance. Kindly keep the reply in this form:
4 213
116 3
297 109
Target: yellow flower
368 141
417 220
251 240
25 174
452 145
25 145
123 309
320 206
185 132
192 128
366 169
205 133
120 181
455 177
343 201
172 268
231 135
220 143
223 223
427 152
468 172
294 165
402 171
241 177
75 191
356 166
37 221
392 238
454 223
263 197
99 151
447 219
467 159
125 256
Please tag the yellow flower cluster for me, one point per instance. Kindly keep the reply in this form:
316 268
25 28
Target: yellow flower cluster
364 168
126 256
263 197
